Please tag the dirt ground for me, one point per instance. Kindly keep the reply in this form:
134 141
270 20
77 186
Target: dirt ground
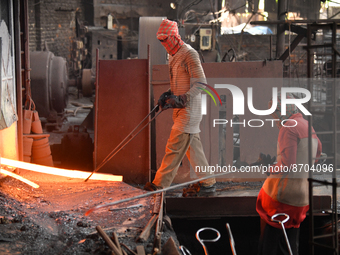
51 220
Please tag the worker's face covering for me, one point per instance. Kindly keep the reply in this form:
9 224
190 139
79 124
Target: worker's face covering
169 37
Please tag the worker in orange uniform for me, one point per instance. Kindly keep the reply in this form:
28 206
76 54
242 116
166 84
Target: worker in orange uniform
286 191
184 96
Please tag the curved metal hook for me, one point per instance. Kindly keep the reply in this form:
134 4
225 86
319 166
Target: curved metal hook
207 240
280 221
283 228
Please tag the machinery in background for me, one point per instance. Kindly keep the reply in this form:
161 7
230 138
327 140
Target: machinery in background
49 83
205 38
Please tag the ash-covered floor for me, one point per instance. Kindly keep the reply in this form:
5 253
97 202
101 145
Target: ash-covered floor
51 220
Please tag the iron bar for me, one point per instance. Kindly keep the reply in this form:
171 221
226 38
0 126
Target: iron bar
96 110
153 192
18 76
335 141
310 182
314 22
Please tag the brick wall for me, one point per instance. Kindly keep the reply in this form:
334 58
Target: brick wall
53 23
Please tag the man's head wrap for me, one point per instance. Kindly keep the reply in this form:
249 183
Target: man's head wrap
169 37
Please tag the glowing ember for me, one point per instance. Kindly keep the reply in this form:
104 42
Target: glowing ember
60 171
3 171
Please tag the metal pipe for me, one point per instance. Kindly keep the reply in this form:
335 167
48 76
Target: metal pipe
96 111
153 192
335 141
18 78
310 160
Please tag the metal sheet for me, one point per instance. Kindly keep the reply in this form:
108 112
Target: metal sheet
123 101
256 141
148 27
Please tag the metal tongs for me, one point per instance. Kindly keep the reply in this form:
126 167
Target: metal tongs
283 227
207 240
126 140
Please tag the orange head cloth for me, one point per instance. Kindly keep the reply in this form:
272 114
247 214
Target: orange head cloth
169 37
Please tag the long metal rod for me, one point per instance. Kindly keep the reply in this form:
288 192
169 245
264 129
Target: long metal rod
274 22
157 249
108 157
149 193
310 184
283 228
335 245
18 75
335 141
231 239
123 143
96 107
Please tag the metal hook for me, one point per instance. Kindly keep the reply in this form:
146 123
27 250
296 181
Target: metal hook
207 240
283 227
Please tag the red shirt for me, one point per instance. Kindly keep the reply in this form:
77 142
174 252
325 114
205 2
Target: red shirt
284 193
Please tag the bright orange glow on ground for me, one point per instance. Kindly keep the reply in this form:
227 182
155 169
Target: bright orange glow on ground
60 171
3 171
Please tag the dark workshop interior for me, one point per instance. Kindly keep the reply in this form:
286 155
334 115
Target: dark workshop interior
80 134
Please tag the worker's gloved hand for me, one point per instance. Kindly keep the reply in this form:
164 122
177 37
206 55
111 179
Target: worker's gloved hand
264 160
175 102
162 99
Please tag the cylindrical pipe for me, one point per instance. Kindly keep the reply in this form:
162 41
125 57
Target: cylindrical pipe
18 78
96 112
